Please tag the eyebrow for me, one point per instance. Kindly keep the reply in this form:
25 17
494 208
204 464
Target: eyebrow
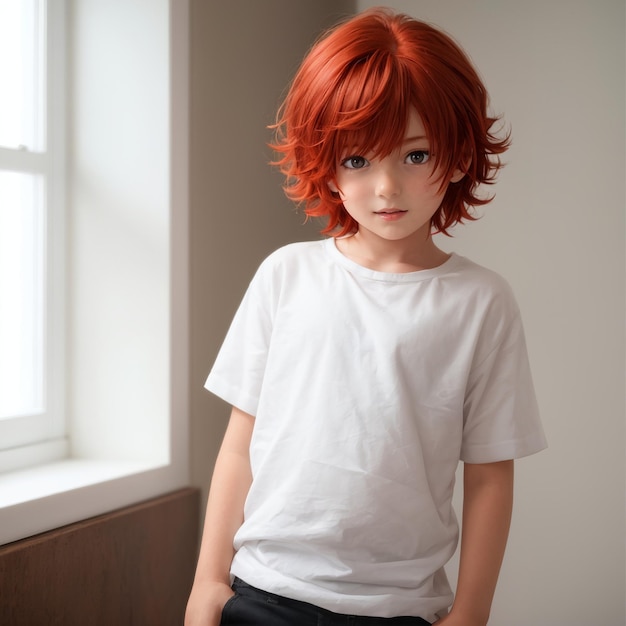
416 138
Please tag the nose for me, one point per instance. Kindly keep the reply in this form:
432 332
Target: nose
387 183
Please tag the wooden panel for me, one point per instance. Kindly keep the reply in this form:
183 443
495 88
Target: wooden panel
132 566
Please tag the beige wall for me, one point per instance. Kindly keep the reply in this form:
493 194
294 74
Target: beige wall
243 54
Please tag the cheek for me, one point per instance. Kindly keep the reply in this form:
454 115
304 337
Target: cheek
344 189
429 189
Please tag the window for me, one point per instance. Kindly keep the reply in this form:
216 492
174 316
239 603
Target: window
31 231
120 312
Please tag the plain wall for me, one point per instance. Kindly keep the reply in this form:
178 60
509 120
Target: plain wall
555 231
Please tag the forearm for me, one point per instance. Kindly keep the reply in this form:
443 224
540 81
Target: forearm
487 508
224 513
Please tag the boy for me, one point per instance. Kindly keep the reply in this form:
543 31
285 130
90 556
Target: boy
363 367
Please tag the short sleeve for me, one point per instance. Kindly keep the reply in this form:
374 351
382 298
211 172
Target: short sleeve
501 417
238 371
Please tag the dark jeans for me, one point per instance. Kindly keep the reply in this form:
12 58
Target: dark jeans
253 607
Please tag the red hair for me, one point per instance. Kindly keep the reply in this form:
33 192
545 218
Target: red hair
356 88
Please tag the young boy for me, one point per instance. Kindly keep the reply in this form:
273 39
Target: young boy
363 367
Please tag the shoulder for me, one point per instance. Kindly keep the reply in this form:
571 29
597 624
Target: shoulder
484 300
300 250
478 276
480 283
285 264
293 256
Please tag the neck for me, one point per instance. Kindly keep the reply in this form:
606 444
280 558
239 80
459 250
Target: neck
412 254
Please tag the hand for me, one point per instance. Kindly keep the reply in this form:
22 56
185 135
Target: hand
205 604
454 619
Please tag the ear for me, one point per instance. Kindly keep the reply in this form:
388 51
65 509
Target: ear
332 186
457 175
460 172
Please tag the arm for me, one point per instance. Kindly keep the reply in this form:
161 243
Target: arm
224 514
487 507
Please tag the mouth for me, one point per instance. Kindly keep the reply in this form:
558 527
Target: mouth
390 214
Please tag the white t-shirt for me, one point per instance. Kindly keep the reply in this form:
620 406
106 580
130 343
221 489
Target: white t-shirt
368 388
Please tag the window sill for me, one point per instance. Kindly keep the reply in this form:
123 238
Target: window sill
48 496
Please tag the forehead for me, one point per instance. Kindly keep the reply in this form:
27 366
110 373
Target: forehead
376 139
415 126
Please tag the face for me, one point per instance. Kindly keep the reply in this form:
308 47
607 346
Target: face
394 197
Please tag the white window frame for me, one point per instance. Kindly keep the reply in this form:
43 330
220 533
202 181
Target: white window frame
30 439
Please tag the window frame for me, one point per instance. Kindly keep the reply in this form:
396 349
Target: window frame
38 438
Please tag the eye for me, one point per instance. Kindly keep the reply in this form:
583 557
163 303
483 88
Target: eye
417 157
354 162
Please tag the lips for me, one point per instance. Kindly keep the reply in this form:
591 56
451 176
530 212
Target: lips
390 214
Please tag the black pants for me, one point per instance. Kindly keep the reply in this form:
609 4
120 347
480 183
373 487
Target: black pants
253 607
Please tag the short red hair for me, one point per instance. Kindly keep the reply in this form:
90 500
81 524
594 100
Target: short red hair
356 88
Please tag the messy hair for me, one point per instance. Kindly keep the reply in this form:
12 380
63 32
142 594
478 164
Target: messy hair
356 89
